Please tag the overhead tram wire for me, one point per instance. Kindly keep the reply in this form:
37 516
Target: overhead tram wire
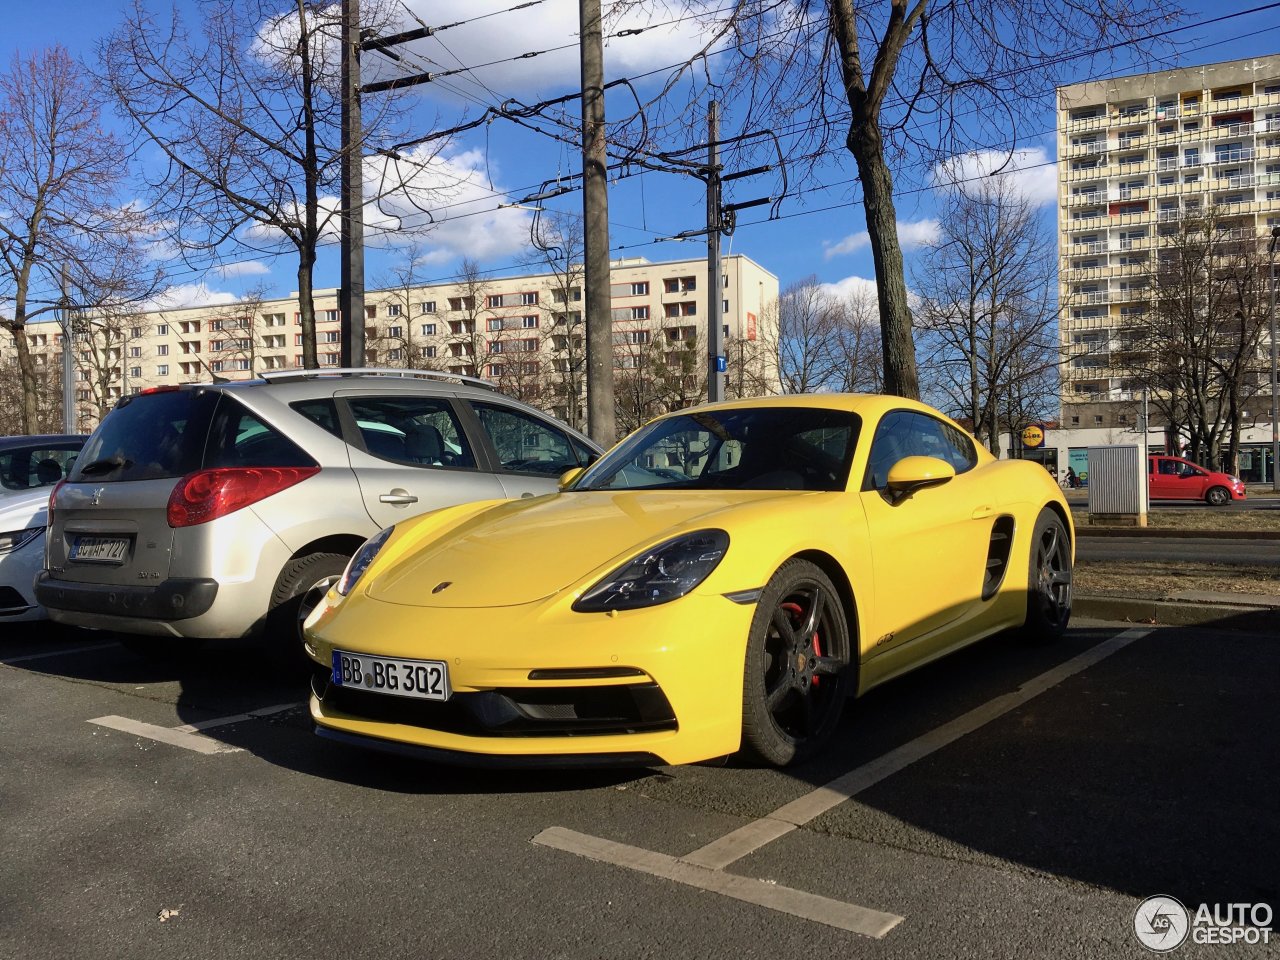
197 270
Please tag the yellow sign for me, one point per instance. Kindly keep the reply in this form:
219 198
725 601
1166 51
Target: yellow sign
1033 435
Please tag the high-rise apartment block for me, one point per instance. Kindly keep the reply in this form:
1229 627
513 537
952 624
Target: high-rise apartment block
1137 157
524 333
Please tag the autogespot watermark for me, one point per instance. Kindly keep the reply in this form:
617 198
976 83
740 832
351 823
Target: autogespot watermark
1162 923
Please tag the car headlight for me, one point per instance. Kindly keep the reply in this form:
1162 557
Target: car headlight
659 575
17 539
360 562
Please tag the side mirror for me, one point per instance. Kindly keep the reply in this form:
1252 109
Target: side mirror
567 478
916 473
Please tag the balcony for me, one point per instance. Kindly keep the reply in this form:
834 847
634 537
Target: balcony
1165 216
1232 156
1078 249
1093 296
1088 149
1166 163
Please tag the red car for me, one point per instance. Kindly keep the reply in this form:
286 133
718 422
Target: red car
1172 478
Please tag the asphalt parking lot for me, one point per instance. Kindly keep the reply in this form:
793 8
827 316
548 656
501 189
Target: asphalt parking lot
1007 801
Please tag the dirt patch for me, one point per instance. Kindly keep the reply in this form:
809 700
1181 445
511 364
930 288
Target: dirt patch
1152 579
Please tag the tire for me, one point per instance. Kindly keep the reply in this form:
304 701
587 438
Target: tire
1048 580
163 649
300 586
796 680
1217 496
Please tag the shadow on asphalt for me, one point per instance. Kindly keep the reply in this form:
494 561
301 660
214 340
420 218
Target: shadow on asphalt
1145 774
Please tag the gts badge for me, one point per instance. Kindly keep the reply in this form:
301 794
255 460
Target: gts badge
887 638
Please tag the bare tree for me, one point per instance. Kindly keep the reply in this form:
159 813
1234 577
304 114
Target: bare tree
65 237
246 112
1197 350
986 315
558 243
467 345
236 341
892 82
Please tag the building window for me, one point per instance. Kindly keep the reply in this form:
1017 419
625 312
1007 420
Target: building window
462 303
427 353
273 319
395 332
640 289
639 313
529 299
329 316
427 306
529 323
162 329
1097 420
493 325
329 336
395 354
1075 421
371 313
428 329
329 359
495 300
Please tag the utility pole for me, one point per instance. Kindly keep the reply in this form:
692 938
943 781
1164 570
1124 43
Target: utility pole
597 298
715 320
351 292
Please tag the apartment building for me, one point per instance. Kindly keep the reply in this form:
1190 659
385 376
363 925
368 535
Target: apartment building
525 333
1137 156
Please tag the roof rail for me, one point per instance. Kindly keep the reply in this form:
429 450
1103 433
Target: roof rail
300 374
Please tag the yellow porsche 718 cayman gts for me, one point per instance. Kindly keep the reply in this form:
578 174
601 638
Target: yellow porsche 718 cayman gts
720 581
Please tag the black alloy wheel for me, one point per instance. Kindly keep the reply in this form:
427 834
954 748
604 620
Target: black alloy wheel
796 679
1049 583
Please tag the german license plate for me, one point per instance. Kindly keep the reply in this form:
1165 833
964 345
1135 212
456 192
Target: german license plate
99 549
421 679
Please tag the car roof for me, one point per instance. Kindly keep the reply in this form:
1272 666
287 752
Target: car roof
867 405
41 440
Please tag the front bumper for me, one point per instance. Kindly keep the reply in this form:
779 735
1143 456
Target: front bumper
539 685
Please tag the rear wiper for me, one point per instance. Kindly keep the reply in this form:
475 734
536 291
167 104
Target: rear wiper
105 466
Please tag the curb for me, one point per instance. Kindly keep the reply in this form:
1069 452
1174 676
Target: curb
1224 616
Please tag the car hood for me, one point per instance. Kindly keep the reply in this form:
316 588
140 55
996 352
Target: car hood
526 550
21 511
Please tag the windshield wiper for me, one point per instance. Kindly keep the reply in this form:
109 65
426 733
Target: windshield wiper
105 466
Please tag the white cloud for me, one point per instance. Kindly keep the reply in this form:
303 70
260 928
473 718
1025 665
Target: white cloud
443 202
245 268
911 233
188 295
545 27
1032 172
851 288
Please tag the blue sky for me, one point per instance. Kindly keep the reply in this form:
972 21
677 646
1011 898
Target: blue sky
502 157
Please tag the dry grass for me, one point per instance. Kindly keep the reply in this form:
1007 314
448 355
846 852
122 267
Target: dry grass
1155 579
1198 518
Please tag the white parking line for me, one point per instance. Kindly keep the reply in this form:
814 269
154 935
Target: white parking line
176 738
798 903
699 867
746 839
188 735
58 653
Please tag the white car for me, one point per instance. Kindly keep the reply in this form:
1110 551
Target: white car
23 519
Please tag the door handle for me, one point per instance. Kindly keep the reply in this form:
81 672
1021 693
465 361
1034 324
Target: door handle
981 513
399 497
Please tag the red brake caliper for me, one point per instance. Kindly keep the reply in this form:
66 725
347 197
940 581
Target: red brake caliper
795 610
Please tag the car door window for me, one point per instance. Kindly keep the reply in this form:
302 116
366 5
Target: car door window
1170 467
905 433
526 444
417 431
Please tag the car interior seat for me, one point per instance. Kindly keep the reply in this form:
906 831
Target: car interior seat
48 471
424 444
382 444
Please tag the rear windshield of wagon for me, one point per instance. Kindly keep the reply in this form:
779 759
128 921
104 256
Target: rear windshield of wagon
166 435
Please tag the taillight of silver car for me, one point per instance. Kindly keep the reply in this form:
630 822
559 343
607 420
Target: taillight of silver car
208 494
53 498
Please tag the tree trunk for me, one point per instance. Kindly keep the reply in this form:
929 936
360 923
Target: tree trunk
27 368
307 309
867 147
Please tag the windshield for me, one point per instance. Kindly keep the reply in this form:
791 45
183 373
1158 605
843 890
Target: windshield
755 448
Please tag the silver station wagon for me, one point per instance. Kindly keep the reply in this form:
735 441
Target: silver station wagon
227 509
